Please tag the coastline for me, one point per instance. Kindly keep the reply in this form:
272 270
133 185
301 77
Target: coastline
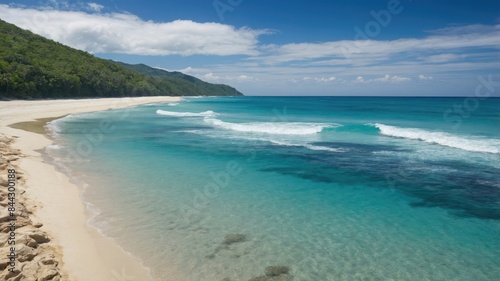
84 253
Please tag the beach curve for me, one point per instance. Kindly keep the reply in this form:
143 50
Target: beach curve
80 250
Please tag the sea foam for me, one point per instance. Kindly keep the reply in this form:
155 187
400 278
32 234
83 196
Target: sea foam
53 127
441 138
275 128
186 114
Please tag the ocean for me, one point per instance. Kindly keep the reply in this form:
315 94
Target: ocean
334 188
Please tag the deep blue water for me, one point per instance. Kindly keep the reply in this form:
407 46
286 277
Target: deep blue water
333 188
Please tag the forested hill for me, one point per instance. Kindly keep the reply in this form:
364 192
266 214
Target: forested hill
33 67
223 90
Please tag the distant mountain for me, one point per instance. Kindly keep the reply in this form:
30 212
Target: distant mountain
33 67
221 89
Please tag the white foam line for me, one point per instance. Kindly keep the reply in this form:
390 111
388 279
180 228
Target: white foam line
441 138
186 114
275 128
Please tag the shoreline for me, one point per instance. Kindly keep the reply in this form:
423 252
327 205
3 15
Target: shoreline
85 254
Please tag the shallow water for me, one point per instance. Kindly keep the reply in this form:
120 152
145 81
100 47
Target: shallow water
333 188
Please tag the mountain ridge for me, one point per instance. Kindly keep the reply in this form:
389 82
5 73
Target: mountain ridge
161 73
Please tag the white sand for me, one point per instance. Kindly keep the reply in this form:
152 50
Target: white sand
87 255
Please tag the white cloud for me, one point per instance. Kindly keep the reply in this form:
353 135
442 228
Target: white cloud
393 79
211 77
57 4
362 52
320 79
443 58
186 70
385 79
423 77
128 34
95 7
467 29
244 77
62 5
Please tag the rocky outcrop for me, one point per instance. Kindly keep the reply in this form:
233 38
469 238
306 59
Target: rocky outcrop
36 258
234 238
275 273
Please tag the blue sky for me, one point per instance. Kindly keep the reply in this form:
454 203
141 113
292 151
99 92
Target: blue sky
295 47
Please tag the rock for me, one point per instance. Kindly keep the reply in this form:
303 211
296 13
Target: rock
11 276
260 278
4 259
37 224
20 222
47 274
234 238
48 260
12 158
10 153
277 270
275 273
3 239
26 240
4 139
3 201
4 215
274 278
36 270
29 271
25 253
57 278
40 237
33 263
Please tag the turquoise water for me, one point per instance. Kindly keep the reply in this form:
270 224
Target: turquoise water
333 188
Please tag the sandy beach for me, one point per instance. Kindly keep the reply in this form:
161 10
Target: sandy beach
55 235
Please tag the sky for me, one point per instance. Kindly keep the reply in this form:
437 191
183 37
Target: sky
294 47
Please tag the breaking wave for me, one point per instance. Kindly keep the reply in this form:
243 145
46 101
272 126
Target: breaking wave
441 138
275 128
186 114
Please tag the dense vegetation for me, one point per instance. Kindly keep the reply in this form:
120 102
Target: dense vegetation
222 90
33 67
